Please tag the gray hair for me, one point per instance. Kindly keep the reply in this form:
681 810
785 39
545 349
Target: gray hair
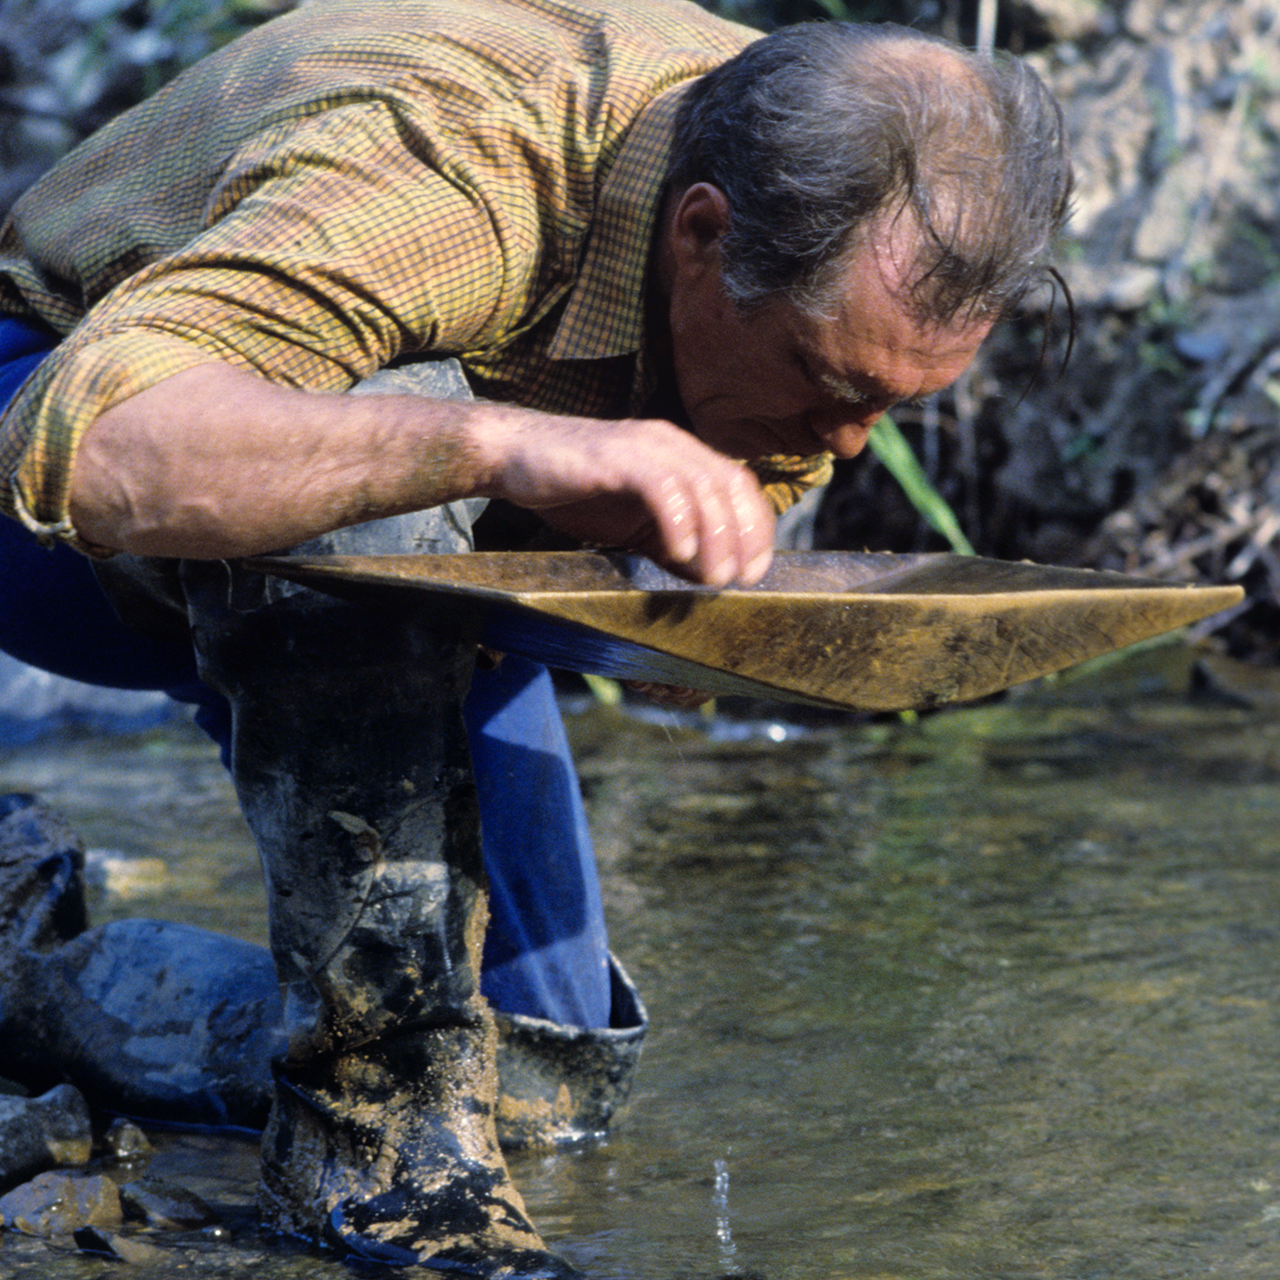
819 130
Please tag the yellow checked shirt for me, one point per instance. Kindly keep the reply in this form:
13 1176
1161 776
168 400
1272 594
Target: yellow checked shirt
355 182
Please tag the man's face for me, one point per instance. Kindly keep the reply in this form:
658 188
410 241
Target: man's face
776 381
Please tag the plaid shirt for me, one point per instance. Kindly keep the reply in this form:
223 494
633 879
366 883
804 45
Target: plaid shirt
355 183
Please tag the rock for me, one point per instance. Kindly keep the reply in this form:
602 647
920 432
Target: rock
1200 346
41 878
59 1204
121 1248
150 1019
125 1141
1062 19
122 876
1126 288
1172 226
170 1208
36 1133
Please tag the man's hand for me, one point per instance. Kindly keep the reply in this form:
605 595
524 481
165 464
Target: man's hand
642 484
215 462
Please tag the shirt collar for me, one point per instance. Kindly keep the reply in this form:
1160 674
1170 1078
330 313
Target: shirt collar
604 314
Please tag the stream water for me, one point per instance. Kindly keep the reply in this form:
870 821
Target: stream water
990 995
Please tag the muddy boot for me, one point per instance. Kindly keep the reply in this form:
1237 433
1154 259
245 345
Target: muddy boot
349 758
560 1085
168 1022
389 1153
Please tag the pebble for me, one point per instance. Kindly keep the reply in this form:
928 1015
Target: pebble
166 1207
112 1244
125 1141
59 1204
122 876
37 1133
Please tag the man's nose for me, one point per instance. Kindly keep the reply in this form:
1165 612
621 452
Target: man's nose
845 432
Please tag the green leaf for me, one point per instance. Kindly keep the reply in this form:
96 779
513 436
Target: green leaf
894 450
606 692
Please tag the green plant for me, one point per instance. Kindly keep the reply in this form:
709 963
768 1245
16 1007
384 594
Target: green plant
894 450
605 691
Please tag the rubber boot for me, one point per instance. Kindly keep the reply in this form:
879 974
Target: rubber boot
561 1085
172 1023
349 759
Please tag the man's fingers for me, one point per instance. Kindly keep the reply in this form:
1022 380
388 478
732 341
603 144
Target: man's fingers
716 527
716 562
676 516
756 522
641 483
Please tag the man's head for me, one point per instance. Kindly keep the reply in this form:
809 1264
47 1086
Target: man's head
850 209
820 131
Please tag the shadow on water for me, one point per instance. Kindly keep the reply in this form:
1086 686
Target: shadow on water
991 995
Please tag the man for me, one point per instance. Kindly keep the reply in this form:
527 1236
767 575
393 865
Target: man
680 267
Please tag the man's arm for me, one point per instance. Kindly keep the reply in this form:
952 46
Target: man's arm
216 462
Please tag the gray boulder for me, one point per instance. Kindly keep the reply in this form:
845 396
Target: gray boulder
38 1133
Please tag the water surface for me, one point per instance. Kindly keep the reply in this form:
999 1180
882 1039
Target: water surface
991 995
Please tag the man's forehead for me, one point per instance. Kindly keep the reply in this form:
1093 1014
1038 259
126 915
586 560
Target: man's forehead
874 343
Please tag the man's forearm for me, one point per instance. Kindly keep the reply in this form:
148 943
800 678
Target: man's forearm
216 462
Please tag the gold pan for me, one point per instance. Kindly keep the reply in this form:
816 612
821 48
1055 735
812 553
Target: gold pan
872 632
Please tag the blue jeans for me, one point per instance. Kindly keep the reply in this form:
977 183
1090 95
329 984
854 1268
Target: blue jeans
546 951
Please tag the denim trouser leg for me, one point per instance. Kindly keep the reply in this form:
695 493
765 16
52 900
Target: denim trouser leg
534 959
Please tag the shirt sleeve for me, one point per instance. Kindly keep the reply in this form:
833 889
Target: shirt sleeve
329 248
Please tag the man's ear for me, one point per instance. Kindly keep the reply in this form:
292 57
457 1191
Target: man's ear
701 218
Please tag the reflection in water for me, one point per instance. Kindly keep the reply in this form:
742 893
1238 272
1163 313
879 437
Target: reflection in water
991 995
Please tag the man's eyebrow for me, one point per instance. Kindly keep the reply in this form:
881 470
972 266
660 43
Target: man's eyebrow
865 390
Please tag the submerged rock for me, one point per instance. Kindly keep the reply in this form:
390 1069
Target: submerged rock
125 1141
120 1248
37 1133
164 1206
59 1204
